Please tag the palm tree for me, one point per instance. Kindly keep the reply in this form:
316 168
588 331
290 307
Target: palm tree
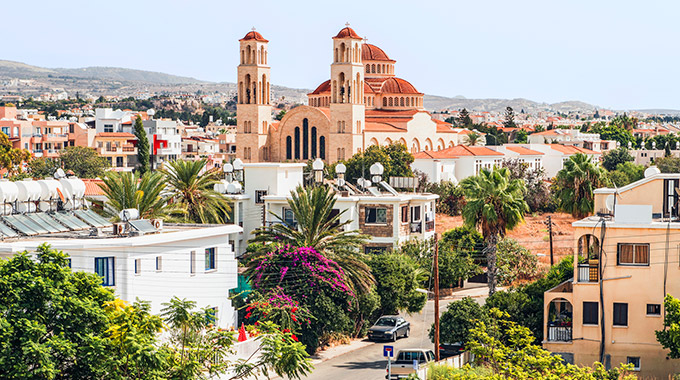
472 138
318 228
147 195
192 188
495 203
576 182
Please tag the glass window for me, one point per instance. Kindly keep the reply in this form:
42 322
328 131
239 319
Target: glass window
653 309
635 361
620 314
415 214
108 127
192 262
590 313
376 215
159 263
104 267
138 266
259 196
632 254
404 214
210 258
289 217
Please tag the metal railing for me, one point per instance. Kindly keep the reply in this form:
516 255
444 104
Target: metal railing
559 333
587 273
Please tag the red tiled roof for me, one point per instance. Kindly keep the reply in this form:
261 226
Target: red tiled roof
373 53
569 149
398 86
391 113
116 134
429 154
546 133
347 32
93 187
460 150
253 35
323 87
382 127
522 151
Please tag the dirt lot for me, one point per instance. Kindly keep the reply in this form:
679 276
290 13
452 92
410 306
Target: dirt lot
533 234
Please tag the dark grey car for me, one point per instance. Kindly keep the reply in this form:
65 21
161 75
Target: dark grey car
389 327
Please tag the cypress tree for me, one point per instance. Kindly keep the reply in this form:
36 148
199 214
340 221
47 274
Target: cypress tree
143 159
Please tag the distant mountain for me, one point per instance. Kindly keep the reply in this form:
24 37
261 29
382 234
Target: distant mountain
437 103
23 71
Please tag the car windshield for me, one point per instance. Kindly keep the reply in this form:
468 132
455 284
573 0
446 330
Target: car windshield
386 322
410 356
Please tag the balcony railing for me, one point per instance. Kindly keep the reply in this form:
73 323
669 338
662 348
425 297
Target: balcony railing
416 228
559 333
587 273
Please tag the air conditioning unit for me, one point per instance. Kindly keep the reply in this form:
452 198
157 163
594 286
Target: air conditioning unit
157 223
118 229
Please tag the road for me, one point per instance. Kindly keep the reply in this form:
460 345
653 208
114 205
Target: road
367 363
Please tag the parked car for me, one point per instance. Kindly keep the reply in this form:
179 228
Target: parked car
389 327
403 366
450 349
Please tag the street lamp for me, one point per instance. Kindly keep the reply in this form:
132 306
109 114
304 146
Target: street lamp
317 167
376 172
238 169
340 170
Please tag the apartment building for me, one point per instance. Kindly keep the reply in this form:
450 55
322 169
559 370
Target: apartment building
119 148
387 216
165 140
625 261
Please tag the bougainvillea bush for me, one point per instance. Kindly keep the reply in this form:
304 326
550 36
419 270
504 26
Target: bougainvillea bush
301 276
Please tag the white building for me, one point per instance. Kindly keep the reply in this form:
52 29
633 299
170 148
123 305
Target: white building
165 140
456 163
389 218
108 120
554 155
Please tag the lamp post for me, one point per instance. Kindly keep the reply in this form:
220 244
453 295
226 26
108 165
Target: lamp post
317 167
238 169
376 172
340 170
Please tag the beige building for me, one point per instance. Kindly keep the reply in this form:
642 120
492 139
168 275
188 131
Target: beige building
363 104
119 148
626 260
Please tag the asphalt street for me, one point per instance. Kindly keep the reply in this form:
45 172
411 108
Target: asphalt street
368 363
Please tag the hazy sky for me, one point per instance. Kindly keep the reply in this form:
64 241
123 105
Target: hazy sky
615 54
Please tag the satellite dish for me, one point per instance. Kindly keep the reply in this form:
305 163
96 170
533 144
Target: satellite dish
652 170
59 173
609 202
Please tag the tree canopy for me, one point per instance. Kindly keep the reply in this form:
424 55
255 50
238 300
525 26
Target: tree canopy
83 161
395 158
143 158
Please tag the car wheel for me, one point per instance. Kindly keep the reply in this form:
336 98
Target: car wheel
406 334
394 336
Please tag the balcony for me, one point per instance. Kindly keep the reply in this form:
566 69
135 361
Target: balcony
53 137
416 228
559 333
587 272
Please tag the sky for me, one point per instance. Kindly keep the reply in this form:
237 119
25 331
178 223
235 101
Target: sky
613 54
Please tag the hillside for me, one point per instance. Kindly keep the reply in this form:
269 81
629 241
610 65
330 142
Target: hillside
436 103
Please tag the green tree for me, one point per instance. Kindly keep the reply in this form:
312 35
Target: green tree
537 194
52 321
668 164
472 138
41 167
614 157
495 203
612 132
509 118
83 161
317 227
191 188
515 262
576 182
10 158
669 337
395 158
464 119
521 137
126 190
626 173
459 318
280 115
143 159
397 277
451 198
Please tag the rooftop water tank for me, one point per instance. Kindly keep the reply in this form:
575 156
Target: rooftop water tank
48 188
73 187
29 190
8 191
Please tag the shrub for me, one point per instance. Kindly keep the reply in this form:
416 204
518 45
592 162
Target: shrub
451 198
515 262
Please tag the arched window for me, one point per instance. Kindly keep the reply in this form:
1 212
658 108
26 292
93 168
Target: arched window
297 143
401 102
390 102
408 102
322 147
248 54
373 68
289 148
378 69
259 57
313 142
305 138
343 56
368 68
336 55
243 58
384 102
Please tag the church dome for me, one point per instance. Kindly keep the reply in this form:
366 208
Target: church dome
373 53
398 86
347 32
253 35
323 87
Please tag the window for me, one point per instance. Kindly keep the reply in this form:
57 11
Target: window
138 266
670 197
159 263
376 215
404 214
70 264
620 314
210 259
259 196
633 254
104 267
108 127
192 262
211 314
635 361
653 309
289 217
590 313
415 214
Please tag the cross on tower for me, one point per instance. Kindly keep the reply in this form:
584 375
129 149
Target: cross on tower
253 28
365 40
347 24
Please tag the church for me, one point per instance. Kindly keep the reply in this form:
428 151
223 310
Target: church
363 104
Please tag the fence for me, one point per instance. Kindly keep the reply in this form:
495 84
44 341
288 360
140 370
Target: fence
457 361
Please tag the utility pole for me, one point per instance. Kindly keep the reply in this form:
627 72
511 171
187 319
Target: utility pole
436 298
549 224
